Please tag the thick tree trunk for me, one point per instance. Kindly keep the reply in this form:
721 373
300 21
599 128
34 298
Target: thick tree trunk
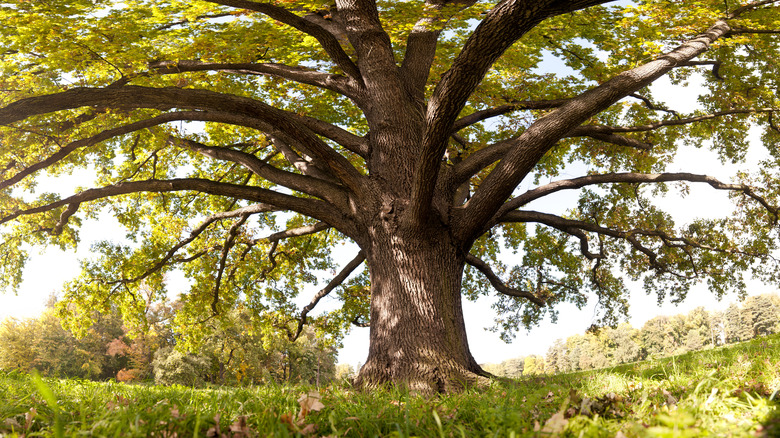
418 336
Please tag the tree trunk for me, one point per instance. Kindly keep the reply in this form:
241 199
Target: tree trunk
418 336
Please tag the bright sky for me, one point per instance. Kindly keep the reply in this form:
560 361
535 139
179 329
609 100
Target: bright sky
46 272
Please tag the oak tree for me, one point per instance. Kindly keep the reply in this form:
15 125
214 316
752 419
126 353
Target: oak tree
240 141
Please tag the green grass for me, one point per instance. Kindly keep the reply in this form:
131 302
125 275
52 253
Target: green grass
723 392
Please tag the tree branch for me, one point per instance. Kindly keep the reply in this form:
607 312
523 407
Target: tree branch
498 284
309 207
422 41
231 108
303 75
103 136
649 104
241 212
596 132
293 232
312 186
615 178
749 7
229 243
501 27
577 227
335 282
683 121
528 148
326 39
478 116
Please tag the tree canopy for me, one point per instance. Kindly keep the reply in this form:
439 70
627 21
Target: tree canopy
241 141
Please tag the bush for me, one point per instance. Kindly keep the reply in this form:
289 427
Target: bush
172 366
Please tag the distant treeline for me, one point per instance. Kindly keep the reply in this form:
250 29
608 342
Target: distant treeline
661 336
229 353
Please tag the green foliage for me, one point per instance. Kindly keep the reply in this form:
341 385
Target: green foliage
661 336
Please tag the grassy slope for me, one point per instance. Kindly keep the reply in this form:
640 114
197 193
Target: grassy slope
722 392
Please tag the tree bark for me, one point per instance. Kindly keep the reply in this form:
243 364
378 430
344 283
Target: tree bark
418 335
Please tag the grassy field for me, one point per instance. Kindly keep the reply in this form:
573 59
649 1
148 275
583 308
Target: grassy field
724 392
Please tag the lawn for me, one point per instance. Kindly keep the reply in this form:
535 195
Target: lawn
731 391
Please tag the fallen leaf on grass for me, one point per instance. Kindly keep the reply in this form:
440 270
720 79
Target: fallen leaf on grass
555 425
309 402
239 429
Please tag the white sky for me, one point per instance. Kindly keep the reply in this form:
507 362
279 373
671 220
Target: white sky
46 272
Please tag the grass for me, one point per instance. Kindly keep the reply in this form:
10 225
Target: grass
726 392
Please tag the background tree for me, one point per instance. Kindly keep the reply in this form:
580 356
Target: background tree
239 141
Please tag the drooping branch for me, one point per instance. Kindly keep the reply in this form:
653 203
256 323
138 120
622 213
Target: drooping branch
528 148
715 66
95 139
194 234
303 75
629 177
309 207
499 285
335 282
577 228
682 121
329 42
238 110
229 243
650 105
312 186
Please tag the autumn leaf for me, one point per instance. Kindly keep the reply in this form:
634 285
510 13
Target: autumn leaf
309 402
555 425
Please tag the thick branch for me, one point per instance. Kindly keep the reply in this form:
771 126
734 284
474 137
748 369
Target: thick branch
498 284
328 41
502 26
335 282
309 207
422 41
534 142
237 109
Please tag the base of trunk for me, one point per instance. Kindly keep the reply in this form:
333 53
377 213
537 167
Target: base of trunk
425 377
